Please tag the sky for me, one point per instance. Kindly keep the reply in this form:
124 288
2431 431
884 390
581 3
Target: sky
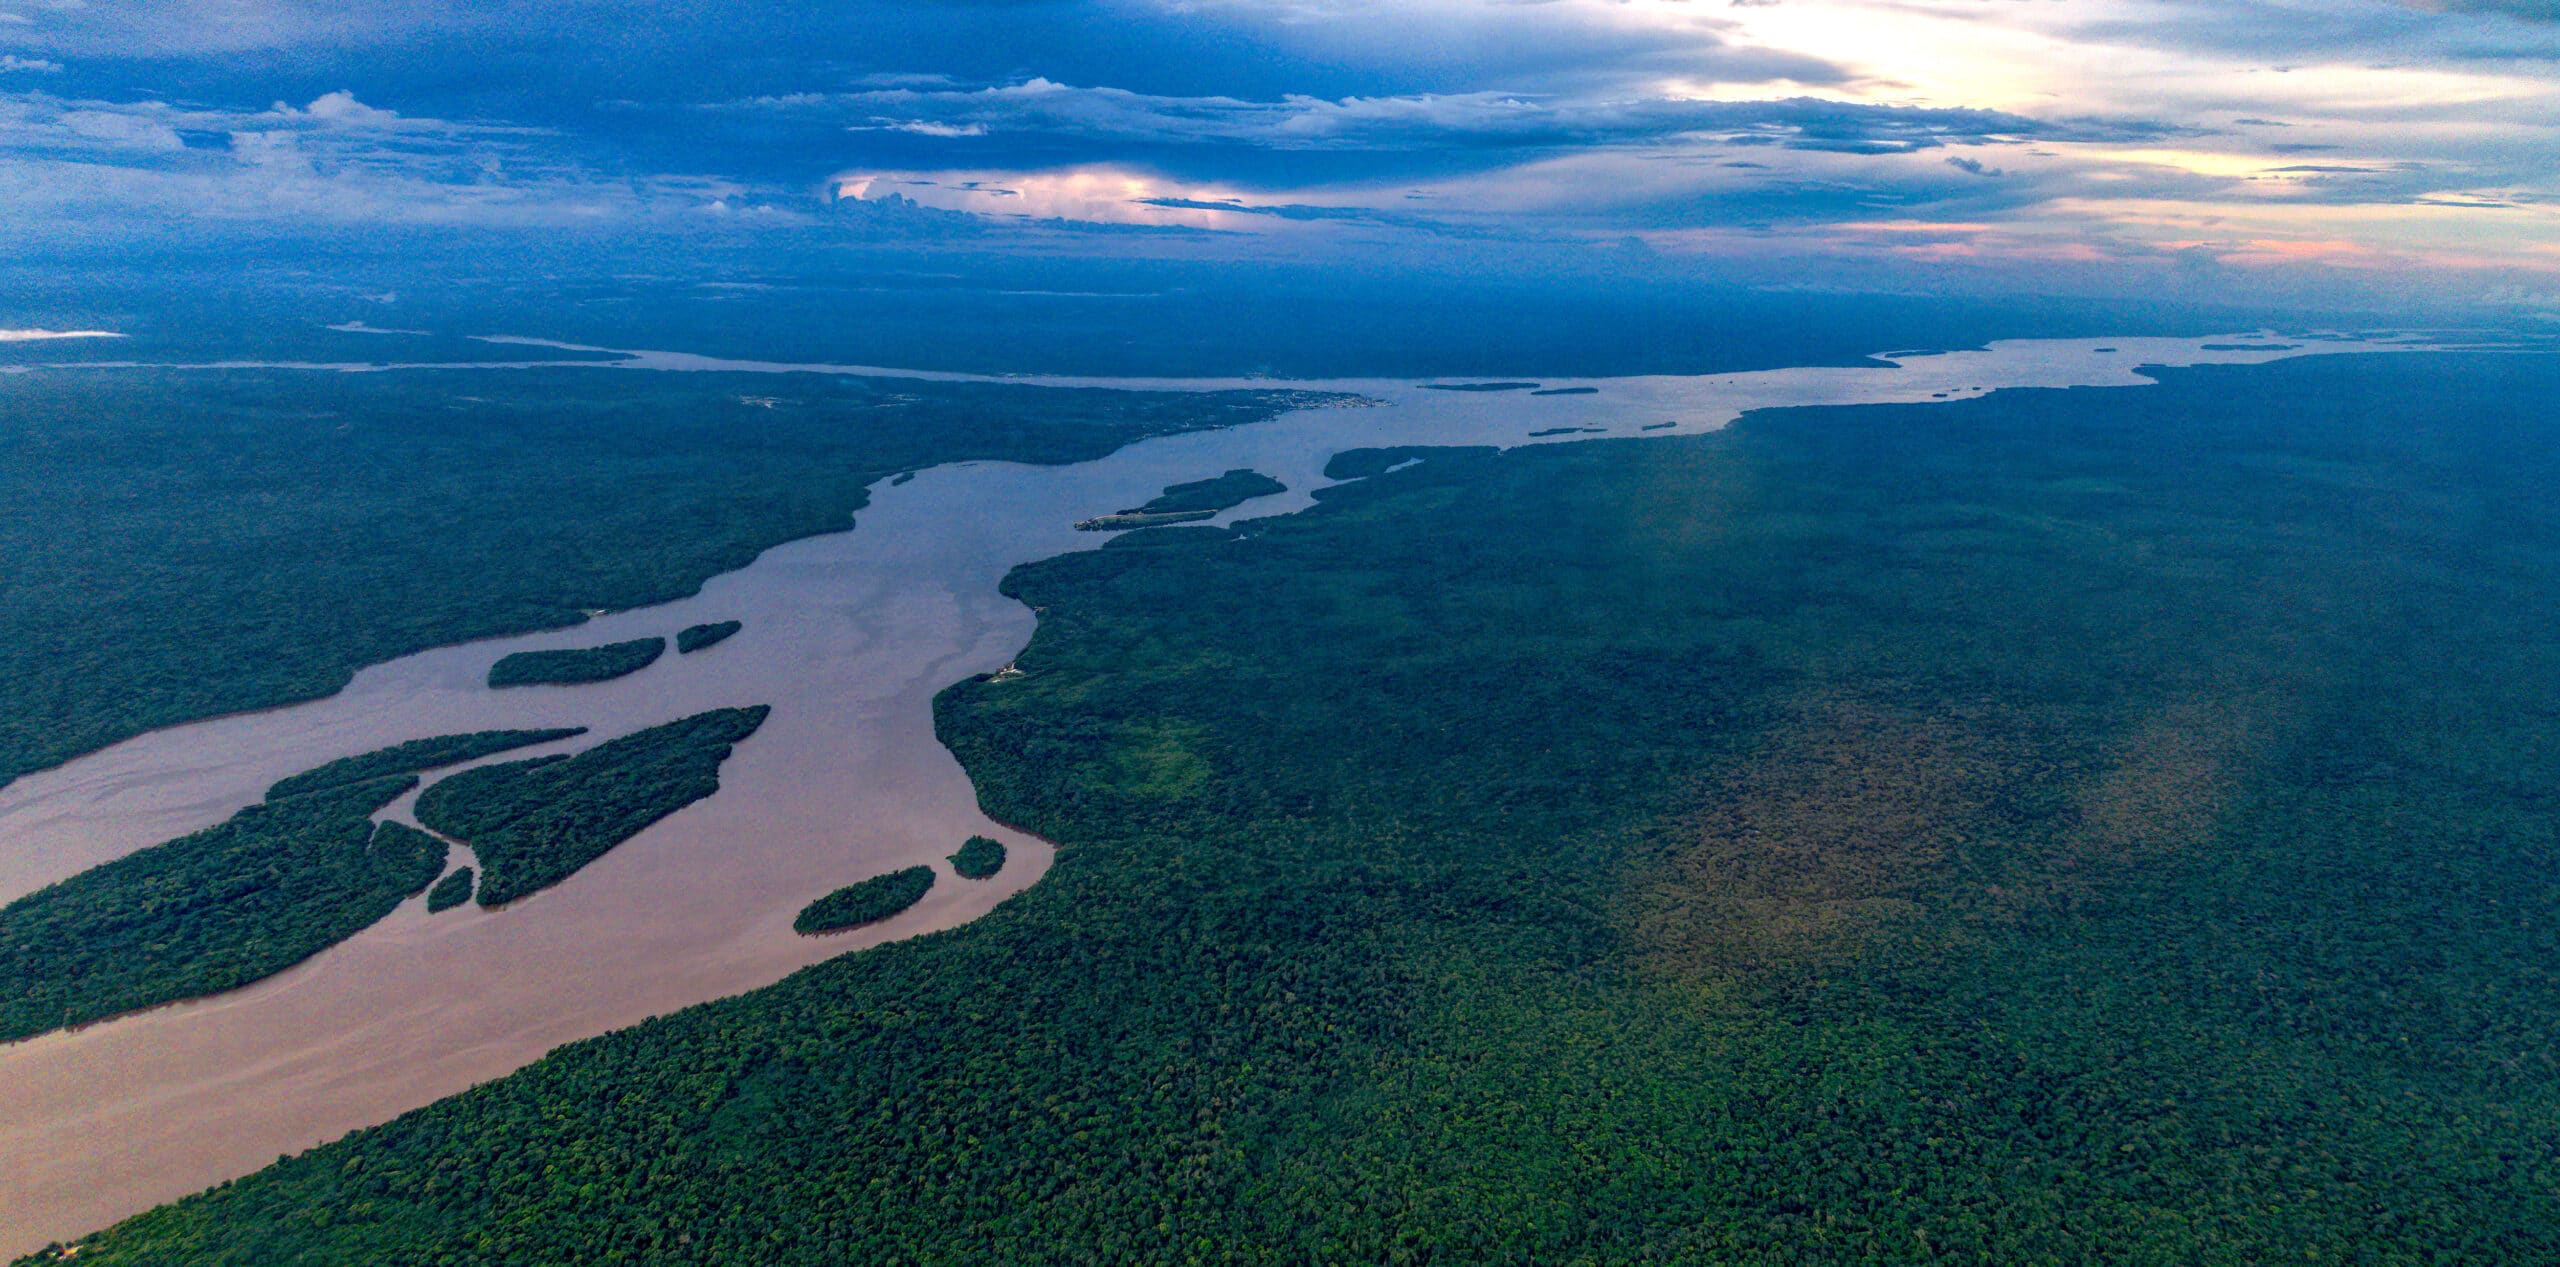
2237 147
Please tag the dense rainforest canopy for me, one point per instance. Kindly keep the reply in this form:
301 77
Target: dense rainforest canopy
2049 828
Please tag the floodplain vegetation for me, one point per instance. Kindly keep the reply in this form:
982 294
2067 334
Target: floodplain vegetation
535 823
570 666
214 910
374 515
2054 827
694 638
979 858
866 902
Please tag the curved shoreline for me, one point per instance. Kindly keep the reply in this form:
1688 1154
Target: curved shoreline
850 635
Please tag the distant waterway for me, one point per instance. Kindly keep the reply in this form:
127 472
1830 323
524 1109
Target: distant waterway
848 637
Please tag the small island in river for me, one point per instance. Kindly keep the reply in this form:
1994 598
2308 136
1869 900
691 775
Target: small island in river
450 892
694 638
571 666
1186 503
979 858
868 902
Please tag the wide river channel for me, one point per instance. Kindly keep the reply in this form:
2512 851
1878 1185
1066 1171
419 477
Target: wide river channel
848 637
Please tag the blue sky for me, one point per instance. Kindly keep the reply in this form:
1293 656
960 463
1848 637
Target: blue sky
2270 146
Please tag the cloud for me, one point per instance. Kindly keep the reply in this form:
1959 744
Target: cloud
1099 194
86 169
1284 211
947 131
888 214
2125 131
2543 305
335 129
1479 120
162 27
34 336
2371 32
120 130
341 107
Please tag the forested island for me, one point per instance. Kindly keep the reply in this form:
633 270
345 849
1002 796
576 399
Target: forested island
569 666
694 638
1184 503
534 823
275 884
450 892
867 902
979 858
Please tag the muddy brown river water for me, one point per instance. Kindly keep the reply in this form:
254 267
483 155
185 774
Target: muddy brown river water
848 637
